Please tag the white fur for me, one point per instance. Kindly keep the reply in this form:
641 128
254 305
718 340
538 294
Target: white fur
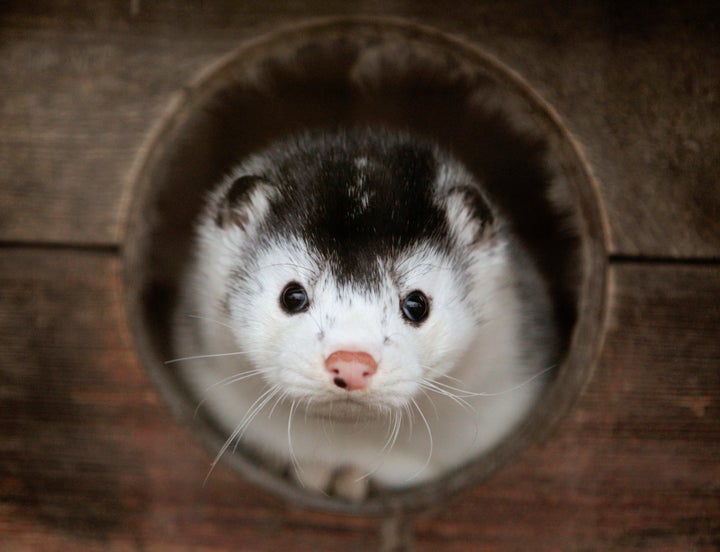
470 345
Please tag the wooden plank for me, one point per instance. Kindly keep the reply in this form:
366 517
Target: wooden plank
636 464
636 85
73 120
91 459
82 87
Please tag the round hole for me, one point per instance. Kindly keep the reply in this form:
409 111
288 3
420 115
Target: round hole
369 73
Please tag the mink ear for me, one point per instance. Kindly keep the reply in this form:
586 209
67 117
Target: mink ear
244 202
468 214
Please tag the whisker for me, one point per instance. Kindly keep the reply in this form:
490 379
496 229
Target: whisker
393 433
317 324
393 430
227 381
430 438
439 374
459 393
293 457
406 272
208 319
308 403
430 386
396 423
236 377
455 391
250 416
256 406
291 265
422 390
280 399
410 417
214 355
515 387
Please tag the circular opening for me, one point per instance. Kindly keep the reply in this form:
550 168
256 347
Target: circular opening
369 73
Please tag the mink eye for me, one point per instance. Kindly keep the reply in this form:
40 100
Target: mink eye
294 298
415 307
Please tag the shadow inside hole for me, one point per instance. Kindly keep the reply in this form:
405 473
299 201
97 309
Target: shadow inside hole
367 76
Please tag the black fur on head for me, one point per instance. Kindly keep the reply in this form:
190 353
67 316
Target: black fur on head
355 197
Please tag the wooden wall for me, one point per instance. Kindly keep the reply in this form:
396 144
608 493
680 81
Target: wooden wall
90 458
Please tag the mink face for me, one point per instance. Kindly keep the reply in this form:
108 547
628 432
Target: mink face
370 295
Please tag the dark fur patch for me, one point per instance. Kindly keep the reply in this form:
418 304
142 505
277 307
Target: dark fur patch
392 209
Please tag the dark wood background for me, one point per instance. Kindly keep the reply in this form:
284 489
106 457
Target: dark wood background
90 458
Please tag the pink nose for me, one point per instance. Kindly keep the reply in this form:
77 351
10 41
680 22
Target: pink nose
351 370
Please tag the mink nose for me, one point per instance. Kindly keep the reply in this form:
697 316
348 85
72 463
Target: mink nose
351 370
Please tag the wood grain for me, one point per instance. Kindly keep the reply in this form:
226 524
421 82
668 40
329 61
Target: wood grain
82 88
91 459
636 464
